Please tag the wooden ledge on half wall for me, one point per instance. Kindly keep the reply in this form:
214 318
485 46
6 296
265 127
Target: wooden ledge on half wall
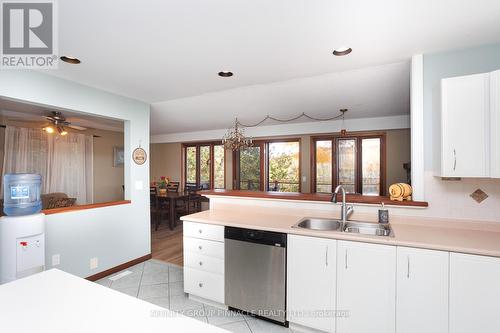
84 207
351 198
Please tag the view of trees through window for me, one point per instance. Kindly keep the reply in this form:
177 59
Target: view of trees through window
219 167
347 164
191 165
205 165
324 166
284 166
354 162
249 165
278 160
371 166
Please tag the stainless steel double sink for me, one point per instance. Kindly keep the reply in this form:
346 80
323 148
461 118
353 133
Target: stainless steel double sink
355 227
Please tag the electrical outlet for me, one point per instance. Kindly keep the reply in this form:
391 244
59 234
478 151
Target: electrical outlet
56 259
94 262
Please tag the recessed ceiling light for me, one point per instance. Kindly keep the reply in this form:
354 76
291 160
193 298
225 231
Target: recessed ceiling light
70 60
225 74
342 51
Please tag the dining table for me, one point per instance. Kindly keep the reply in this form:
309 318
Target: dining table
171 198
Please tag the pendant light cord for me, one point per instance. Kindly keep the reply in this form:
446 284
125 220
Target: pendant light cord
302 115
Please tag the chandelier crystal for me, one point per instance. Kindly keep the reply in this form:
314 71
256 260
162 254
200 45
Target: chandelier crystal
235 138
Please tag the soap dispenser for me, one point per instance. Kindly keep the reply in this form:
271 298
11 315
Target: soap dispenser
383 215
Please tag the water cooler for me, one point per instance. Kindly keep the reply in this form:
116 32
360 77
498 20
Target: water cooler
22 230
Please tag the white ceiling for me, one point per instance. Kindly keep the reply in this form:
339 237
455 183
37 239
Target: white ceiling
159 51
372 92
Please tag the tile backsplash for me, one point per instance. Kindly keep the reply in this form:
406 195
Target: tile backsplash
453 198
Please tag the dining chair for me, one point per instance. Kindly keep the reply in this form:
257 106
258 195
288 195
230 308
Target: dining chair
157 207
194 199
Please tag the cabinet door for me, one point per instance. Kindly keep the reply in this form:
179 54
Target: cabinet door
465 126
422 291
495 123
311 266
366 288
474 294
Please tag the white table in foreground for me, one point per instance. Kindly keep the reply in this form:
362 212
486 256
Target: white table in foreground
54 301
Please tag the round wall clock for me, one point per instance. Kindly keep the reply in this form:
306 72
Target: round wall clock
139 156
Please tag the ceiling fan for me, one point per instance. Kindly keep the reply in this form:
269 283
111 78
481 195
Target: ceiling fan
58 123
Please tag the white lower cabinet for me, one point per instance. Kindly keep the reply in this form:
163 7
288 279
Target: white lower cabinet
311 271
204 261
474 294
366 287
422 291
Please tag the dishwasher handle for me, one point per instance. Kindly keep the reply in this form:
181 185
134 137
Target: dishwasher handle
256 236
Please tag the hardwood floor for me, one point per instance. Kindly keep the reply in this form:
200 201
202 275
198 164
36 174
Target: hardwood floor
166 244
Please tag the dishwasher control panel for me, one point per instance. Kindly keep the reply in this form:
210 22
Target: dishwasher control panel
256 236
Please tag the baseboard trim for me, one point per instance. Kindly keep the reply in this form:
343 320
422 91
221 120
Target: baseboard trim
118 268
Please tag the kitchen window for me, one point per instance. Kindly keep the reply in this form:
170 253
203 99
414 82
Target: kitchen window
357 162
204 165
272 165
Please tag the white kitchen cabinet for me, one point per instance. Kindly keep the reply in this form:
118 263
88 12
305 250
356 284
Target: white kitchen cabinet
311 272
495 123
366 287
422 291
464 129
474 294
204 261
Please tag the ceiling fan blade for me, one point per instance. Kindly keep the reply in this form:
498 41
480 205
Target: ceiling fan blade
76 127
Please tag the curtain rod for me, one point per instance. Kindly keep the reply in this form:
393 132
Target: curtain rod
95 136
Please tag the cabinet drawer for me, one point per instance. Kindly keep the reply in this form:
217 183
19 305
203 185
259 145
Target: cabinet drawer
204 263
204 284
203 231
204 247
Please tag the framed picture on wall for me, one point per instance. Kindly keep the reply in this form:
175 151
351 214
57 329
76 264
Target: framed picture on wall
118 156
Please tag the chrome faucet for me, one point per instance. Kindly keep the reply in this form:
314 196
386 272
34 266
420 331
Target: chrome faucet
346 210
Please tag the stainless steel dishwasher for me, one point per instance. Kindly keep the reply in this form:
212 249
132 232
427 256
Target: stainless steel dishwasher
255 272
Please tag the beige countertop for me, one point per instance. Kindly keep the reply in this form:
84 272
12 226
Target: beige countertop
464 236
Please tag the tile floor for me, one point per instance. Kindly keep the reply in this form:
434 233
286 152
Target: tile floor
162 284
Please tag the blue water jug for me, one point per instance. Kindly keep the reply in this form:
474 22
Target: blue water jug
21 194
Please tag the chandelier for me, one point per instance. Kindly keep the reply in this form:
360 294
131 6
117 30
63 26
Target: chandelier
235 139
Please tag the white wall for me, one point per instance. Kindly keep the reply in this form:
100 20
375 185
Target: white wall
334 126
113 234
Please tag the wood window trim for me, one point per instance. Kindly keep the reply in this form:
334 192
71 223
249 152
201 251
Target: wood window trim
197 145
359 136
263 145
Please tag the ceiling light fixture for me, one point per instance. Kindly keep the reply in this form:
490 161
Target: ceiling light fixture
49 129
61 131
343 131
235 138
70 60
342 51
225 74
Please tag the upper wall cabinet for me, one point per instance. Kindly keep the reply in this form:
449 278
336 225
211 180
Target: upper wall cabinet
495 123
464 127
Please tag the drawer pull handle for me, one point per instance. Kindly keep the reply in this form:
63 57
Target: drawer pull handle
200 247
201 264
201 285
200 231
